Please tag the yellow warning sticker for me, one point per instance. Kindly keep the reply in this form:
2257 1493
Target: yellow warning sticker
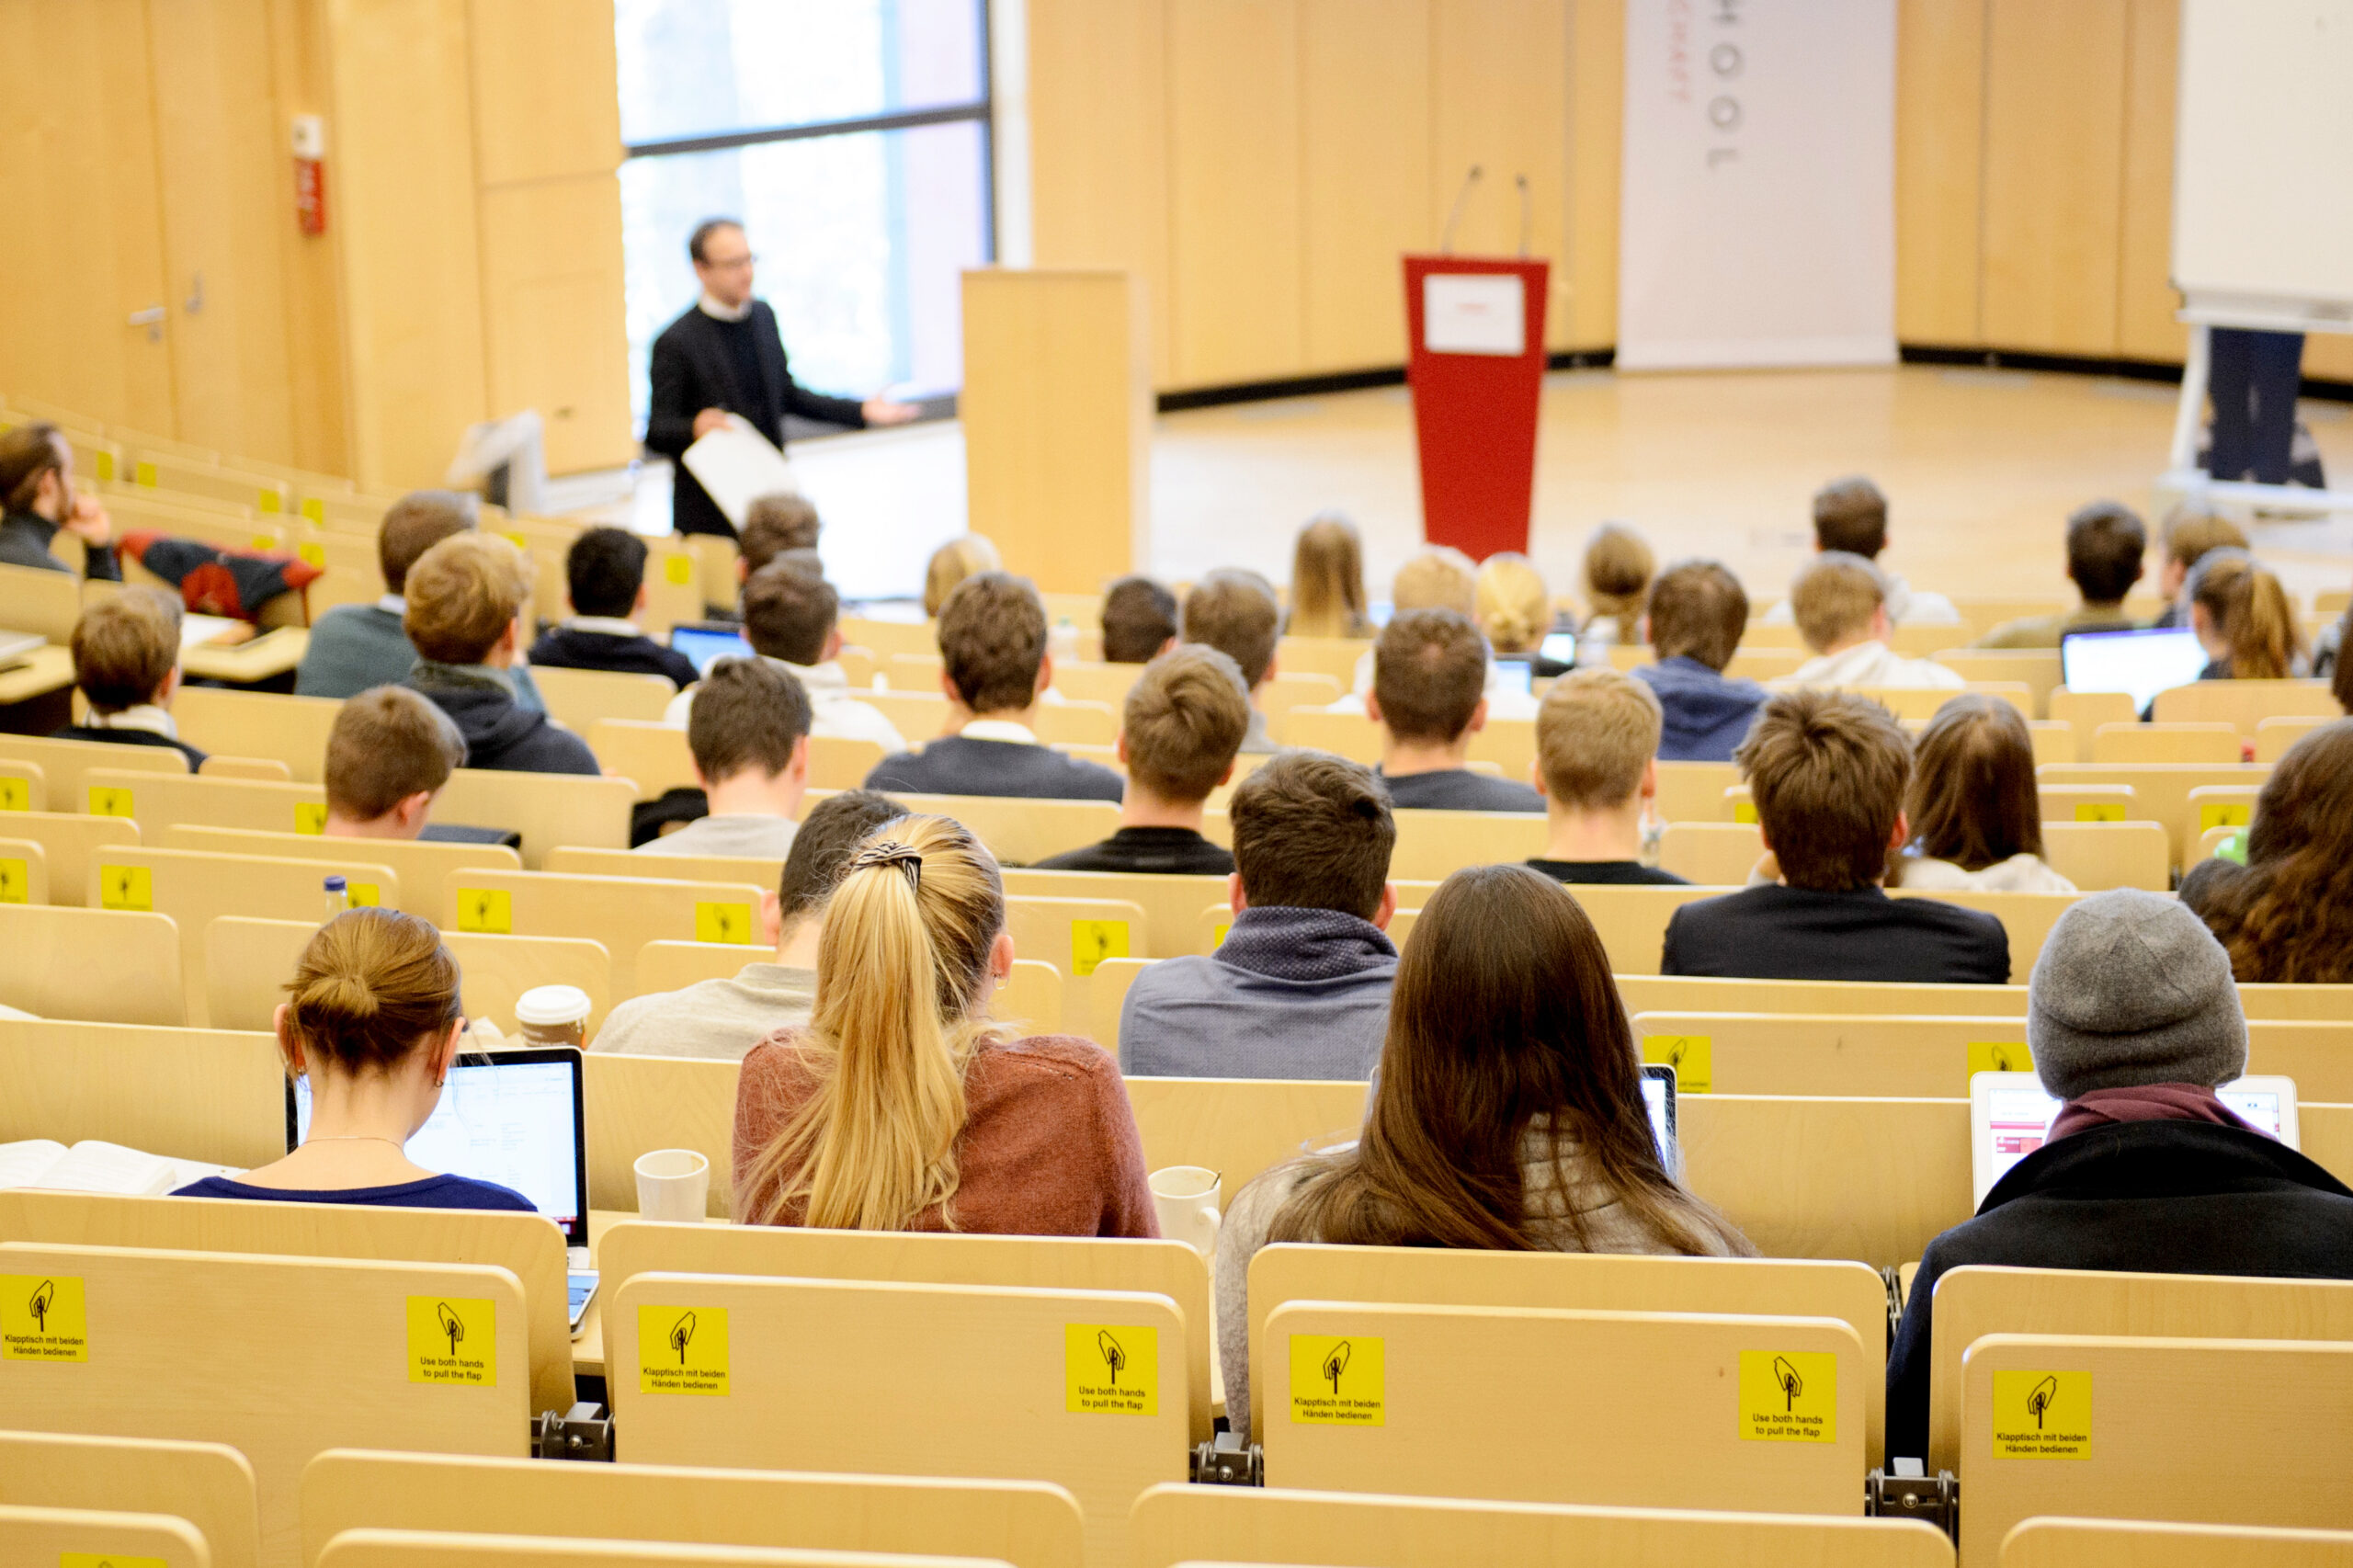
2100 810
678 569
1092 941
16 883
1789 1396
1111 1368
682 1350
106 1560
144 474
1743 811
1338 1381
126 887
41 1318
1999 1056
316 510
265 541
2043 1416
722 922
106 467
1218 933
364 896
268 501
312 553
2213 814
310 817
453 1339
516 539
490 911
16 794
109 802
1691 1055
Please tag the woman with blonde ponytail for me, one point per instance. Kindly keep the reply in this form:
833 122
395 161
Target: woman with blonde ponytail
1515 610
2244 620
900 1106
371 1018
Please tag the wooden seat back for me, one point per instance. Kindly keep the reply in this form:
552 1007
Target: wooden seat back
102 965
207 1485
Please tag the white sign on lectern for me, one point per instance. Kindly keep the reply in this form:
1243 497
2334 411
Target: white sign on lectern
1473 312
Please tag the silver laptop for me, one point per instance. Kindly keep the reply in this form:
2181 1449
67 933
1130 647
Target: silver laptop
2010 1117
516 1118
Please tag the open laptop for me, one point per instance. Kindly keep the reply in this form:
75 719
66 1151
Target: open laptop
514 1119
2010 1117
2142 664
707 642
1658 1097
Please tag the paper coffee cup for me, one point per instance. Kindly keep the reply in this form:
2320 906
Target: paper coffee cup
1187 1198
673 1184
552 1014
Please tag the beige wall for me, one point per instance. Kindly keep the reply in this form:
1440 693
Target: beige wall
1262 163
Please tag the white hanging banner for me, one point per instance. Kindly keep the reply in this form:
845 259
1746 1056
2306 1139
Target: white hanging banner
1757 207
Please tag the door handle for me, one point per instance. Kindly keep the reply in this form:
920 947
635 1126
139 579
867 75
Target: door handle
152 318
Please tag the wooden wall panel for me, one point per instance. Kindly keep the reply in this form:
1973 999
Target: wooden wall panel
1098 146
1501 100
313 277
1364 95
2145 297
404 185
546 89
2053 230
554 338
1939 168
1234 186
1588 312
84 249
227 191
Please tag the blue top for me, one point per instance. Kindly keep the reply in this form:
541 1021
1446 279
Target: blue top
432 1192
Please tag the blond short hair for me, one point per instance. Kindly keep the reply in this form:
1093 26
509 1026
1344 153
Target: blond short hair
1618 567
388 743
462 594
125 647
1184 722
1438 578
1834 597
1514 609
1594 732
966 555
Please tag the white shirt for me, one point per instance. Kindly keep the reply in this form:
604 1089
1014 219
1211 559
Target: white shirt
834 712
145 716
999 730
718 311
1904 605
394 602
1873 664
2019 873
611 625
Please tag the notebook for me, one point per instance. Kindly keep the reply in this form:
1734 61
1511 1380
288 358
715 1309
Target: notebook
2140 663
514 1117
709 643
2010 1117
92 1165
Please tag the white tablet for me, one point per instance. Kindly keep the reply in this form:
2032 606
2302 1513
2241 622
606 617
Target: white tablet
2010 1117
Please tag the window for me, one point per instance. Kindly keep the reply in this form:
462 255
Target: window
852 138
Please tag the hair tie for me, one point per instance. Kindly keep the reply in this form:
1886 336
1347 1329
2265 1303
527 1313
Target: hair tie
890 852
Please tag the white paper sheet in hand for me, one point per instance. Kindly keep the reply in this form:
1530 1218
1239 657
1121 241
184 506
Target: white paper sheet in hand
738 465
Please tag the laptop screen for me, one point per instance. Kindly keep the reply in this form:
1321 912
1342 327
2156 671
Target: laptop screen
1658 1098
706 645
2141 663
2015 1117
513 1119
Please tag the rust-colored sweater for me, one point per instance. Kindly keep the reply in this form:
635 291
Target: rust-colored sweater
1049 1148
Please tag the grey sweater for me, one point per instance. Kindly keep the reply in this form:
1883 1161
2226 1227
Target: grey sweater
1291 993
1551 1193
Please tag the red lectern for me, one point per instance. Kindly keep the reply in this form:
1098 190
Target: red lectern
1475 328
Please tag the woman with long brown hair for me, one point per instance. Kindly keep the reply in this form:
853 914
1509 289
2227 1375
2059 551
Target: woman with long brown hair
1975 814
1328 580
2287 915
1508 1113
38 499
901 1107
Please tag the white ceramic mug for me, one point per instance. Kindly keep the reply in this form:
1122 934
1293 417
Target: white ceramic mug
1187 1197
674 1185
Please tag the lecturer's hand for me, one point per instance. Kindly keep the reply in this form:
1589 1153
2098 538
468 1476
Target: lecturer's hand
710 419
881 410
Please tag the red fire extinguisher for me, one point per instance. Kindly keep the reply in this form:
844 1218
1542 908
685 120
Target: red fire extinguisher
310 173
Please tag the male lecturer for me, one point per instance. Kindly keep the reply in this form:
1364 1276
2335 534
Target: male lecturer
723 357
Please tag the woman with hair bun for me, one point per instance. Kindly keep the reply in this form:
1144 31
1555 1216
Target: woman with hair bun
901 1107
371 1018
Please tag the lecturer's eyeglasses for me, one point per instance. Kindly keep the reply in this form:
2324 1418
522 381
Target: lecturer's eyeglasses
731 263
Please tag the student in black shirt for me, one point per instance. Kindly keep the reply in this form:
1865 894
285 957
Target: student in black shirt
1184 722
127 661
1430 685
605 574
1827 770
1597 745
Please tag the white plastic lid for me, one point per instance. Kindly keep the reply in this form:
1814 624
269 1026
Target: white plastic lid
551 1005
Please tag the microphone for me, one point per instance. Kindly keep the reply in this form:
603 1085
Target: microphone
1446 241
1526 217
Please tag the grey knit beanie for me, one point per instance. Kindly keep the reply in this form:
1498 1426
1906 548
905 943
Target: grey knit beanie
2131 989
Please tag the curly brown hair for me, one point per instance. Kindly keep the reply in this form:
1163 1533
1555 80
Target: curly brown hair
2289 915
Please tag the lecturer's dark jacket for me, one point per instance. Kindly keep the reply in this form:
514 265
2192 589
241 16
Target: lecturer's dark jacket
701 362
2140 1198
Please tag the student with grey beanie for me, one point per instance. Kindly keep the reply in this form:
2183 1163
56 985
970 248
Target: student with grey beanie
2133 1021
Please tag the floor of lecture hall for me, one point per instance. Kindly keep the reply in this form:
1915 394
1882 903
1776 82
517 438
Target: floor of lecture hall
1981 468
